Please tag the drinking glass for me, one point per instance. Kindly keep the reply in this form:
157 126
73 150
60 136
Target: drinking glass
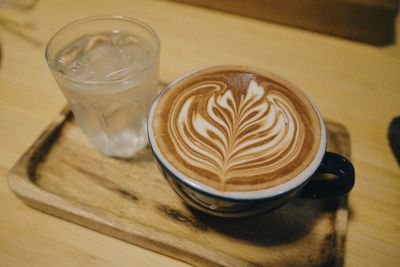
107 68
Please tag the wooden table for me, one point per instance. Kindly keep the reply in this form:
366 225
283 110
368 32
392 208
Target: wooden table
352 83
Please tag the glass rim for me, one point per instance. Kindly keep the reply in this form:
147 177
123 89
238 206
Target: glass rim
95 18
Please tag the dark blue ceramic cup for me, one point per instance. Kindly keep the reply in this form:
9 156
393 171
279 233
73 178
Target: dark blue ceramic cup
308 183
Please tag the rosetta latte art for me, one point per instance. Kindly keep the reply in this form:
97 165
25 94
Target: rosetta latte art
231 133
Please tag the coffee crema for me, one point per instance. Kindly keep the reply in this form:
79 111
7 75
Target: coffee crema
236 128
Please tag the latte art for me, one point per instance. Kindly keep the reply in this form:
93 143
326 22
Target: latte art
258 131
234 130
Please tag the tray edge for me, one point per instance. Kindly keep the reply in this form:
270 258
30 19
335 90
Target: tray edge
19 181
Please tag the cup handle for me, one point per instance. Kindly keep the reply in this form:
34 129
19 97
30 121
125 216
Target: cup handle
322 188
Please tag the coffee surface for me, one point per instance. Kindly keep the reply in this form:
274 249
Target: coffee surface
236 129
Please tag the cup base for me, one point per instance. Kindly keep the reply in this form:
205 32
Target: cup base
226 208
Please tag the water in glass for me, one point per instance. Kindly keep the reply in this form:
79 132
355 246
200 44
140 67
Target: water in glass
110 80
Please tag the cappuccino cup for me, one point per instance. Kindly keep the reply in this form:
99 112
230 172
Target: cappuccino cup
234 141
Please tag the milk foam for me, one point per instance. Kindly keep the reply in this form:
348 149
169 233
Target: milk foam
257 131
237 132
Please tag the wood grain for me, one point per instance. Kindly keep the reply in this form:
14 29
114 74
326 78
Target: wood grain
61 174
367 21
352 83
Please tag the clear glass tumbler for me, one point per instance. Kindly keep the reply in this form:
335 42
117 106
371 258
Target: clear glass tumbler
107 68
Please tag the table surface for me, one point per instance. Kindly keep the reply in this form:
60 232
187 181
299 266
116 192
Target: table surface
352 83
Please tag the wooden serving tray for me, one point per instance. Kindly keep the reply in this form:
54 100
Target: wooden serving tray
63 175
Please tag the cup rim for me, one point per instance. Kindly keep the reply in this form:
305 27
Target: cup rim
137 22
270 192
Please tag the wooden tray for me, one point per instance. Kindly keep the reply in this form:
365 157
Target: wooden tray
61 174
